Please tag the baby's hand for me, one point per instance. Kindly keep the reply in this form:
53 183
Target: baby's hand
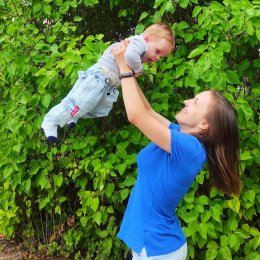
137 74
119 51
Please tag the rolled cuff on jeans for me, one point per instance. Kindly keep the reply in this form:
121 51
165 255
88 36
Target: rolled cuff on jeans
179 254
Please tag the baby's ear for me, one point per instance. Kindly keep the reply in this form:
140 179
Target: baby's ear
148 38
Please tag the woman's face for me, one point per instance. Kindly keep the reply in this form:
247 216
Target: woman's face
192 118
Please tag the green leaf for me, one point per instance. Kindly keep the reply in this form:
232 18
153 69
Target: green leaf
57 210
97 217
77 18
253 256
157 3
46 99
248 112
188 37
249 195
129 181
200 241
242 233
191 80
232 224
122 13
233 239
34 167
197 51
209 75
46 9
121 168
232 77
42 71
61 199
203 230
256 63
65 7
107 245
203 200
216 7
190 217
180 70
110 189
225 253
124 194
143 15
225 46
41 180
139 28
58 179
94 203
12 69
196 11
258 34
245 155
184 3
249 28
63 148
84 221
3 3
211 254
27 185
124 133
205 216
182 25
8 171
43 202
215 212
234 204
37 7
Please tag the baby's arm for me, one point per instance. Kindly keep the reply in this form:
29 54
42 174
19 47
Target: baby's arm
135 50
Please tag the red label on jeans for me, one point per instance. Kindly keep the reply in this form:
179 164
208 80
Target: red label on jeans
74 111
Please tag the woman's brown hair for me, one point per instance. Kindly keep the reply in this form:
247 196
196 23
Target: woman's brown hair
221 142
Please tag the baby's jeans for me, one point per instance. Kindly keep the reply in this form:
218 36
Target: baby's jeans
179 254
91 96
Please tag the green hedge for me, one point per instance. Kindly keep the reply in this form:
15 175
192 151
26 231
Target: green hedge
68 200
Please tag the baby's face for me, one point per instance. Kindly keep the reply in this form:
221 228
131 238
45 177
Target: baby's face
157 48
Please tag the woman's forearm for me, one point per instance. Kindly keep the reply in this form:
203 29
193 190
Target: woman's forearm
154 114
135 104
137 107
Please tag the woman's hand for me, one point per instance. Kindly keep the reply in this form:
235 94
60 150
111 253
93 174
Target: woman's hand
119 52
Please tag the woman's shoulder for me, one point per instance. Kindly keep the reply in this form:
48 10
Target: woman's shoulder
185 144
174 126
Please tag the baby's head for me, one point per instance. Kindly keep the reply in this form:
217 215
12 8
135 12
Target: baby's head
160 40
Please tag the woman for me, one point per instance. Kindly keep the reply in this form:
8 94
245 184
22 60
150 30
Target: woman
206 130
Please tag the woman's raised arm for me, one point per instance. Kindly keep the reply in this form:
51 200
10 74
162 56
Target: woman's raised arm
138 109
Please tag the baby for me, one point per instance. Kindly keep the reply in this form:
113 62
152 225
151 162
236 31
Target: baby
96 89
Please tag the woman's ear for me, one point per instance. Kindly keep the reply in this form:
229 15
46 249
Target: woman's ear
148 38
204 125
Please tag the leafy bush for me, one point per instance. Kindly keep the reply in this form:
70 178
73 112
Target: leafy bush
69 199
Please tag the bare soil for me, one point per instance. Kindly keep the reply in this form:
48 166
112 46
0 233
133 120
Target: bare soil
10 250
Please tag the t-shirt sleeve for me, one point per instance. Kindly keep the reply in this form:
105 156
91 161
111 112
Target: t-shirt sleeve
174 126
185 145
134 52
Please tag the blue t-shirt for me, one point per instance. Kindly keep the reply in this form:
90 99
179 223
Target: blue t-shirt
162 181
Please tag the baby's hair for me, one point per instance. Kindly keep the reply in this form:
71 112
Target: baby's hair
162 31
